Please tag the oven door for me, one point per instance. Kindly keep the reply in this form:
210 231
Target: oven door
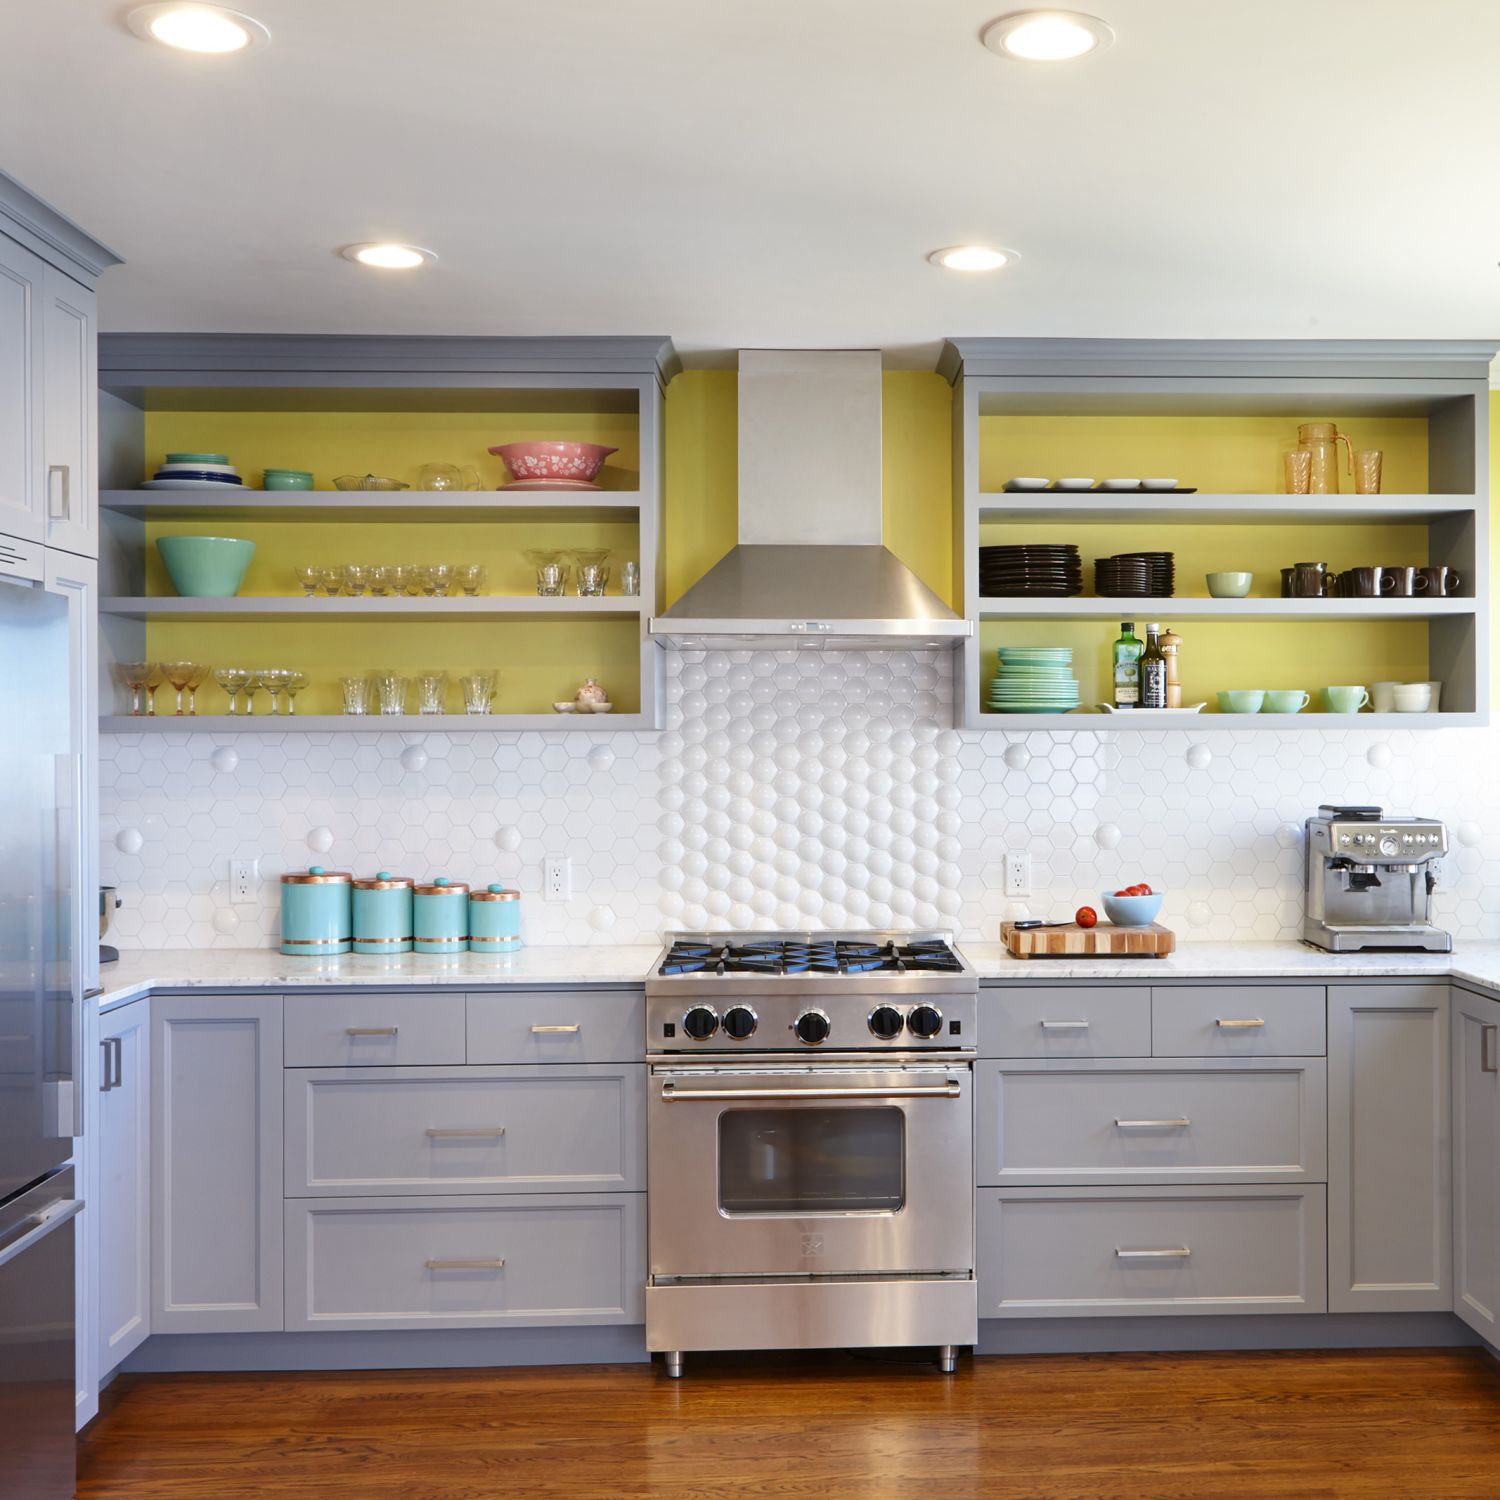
778 1170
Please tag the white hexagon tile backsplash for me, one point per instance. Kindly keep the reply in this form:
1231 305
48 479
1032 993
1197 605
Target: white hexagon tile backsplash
789 789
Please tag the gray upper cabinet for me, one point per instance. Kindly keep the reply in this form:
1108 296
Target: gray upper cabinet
1476 1162
70 415
22 275
1388 1131
216 1156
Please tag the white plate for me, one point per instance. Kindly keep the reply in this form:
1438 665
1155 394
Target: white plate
1027 484
196 484
170 469
1075 484
1120 484
1151 713
1158 484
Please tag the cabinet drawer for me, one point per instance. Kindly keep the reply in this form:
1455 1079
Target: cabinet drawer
457 1130
1078 1252
342 1031
1239 1020
571 1026
1076 1021
1261 1120
465 1262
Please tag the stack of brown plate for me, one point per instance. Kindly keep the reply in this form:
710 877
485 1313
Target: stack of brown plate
1043 570
1135 575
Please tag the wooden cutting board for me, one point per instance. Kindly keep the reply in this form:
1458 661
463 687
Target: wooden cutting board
1102 941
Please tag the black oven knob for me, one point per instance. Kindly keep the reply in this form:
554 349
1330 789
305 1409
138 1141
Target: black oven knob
740 1021
700 1023
886 1022
925 1021
812 1027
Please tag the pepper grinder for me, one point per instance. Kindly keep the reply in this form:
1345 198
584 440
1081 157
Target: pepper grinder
1169 644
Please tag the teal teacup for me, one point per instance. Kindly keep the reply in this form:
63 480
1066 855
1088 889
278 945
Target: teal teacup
1345 700
288 479
1286 701
1241 701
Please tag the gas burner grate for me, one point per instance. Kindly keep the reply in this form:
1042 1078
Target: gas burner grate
831 955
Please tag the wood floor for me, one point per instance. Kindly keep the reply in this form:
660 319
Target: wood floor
1421 1425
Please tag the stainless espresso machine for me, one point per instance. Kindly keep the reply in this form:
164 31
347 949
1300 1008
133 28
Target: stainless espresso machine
1369 879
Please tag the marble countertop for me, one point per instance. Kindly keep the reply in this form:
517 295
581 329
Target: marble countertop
137 974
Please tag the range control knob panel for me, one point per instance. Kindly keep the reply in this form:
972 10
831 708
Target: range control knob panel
925 1021
740 1022
700 1023
812 1027
886 1022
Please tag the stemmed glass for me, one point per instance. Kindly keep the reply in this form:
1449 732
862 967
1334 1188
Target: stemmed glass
333 581
199 677
293 684
232 680
551 572
309 578
470 577
439 579
380 580
273 680
137 675
179 674
251 683
356 579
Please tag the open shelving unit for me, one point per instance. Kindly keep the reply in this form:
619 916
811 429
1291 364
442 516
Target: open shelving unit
383 405
1218 414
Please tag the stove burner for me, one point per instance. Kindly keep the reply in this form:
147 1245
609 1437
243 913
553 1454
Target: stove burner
812 955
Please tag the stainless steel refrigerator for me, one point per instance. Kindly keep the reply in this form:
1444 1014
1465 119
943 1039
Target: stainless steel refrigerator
41 996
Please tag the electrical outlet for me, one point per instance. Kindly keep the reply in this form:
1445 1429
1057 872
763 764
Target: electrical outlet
243 875
1017 873
557 878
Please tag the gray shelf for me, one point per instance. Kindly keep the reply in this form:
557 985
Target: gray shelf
221 725
1142 508
1079 608
377 505
1218 723
484 607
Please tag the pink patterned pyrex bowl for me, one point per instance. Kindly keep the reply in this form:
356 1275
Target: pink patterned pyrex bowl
553 460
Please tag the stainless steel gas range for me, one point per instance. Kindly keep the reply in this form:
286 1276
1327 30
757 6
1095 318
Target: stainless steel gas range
810 1117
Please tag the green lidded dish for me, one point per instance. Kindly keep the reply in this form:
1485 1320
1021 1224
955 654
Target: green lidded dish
205 567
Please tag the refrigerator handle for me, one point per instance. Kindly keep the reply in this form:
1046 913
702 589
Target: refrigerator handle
66 979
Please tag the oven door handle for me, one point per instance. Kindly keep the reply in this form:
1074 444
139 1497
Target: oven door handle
952 1089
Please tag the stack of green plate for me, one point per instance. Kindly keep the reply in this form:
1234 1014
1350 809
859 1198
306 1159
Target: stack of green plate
1034 680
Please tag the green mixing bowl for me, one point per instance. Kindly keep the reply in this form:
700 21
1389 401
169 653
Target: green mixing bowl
205 567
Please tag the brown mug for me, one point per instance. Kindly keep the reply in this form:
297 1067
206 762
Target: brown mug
1409 581
1367 583
1309 580
1441 580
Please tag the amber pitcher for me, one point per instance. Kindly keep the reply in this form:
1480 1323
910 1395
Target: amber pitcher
1321 440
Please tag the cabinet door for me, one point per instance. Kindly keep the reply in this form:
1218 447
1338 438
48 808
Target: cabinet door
216 1164
70 414
1476 1163
1388 1122
21 298
122 1147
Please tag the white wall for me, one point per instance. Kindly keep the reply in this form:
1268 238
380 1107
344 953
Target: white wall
814 789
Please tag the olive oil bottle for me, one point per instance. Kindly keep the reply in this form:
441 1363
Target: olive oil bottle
1127 667
1153 671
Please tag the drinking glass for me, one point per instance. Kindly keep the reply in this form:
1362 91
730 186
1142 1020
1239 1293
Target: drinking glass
591 580
273 680
292 684
590 557
470 477
439 579
479 690
390 690
251 684
432 689
439 477
153 682
1367 466
470 577
406 579
232 680
1296 466
380 580
137 675
630 578
356 579
357 694
199 677
309 577
333 581
178 675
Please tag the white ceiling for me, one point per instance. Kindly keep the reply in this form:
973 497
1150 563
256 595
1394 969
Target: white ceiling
774 172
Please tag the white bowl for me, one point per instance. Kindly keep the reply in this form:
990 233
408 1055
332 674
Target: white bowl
1030 483
1075 484
564 708
598 708
1121 484
1158 484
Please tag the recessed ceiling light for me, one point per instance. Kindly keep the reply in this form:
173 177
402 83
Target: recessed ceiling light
387 256
197 28
1046 35
972 258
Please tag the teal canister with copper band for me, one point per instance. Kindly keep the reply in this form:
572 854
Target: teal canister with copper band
382 914
316 913
494 920
440 916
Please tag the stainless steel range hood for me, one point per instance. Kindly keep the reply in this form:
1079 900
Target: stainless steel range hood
809 569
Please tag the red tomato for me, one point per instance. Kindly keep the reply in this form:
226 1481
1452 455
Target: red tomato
1146 890
1126 892
1086 916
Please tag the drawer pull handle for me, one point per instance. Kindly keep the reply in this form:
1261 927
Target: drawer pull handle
1178 1124
1065 1025
461 1133
1178 1252
1487 1049
1247 1025
555 1030
498 1264
369 1031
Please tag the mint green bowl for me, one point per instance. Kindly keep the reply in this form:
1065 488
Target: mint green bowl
205 567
